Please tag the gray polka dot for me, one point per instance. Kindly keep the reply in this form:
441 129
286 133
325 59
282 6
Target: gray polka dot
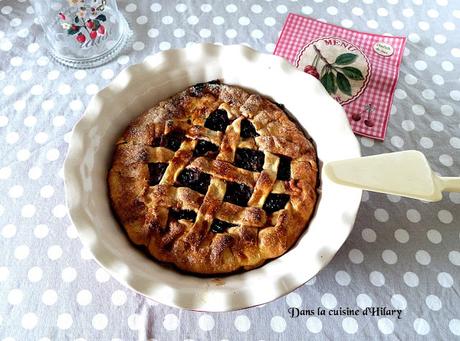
410 79
411 279
437 126
399 301
397 141
438 79
369 235
389 256
408 125
447 110
401 236
381 215
418 109
446 160
434 236
445 216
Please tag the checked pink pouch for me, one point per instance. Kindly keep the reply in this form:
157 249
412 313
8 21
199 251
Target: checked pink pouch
359 70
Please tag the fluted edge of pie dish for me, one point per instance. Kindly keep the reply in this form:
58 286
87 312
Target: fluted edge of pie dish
140 86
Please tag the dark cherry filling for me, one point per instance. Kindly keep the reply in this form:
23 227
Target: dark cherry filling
247 129
173 140
281 106
275 202
219 226
284 168
156 171
182 214
249 159
237 194
156 142
205 148
197 89
194 179
218 120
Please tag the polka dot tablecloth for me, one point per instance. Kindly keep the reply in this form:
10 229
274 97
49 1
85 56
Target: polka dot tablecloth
402 254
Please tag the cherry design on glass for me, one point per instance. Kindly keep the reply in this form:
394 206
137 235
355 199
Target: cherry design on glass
87 22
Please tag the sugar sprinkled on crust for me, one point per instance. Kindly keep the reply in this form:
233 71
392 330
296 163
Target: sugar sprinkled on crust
213 235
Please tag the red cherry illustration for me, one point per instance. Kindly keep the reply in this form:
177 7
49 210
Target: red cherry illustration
356 116
62 16
101 30
93 34
81 38
311 70
369 123
74 27
90 24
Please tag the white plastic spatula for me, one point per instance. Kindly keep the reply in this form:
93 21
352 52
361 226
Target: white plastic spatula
407 174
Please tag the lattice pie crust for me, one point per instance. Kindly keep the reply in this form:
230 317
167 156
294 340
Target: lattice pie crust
214 180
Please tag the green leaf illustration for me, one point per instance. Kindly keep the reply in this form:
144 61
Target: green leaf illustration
101 17
346 58
77 19
343 83
352 73
96 24
329 82
73 30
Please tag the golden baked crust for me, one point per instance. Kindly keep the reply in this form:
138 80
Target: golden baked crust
256 204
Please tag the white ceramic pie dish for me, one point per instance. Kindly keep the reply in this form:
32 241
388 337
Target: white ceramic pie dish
141 86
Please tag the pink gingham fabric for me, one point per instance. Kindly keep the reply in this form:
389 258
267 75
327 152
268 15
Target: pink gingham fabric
299 31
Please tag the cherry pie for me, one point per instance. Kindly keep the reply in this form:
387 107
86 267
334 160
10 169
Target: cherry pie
214 179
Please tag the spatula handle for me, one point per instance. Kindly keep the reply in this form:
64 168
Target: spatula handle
450 184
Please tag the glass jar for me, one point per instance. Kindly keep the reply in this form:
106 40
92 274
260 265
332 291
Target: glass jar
82 33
